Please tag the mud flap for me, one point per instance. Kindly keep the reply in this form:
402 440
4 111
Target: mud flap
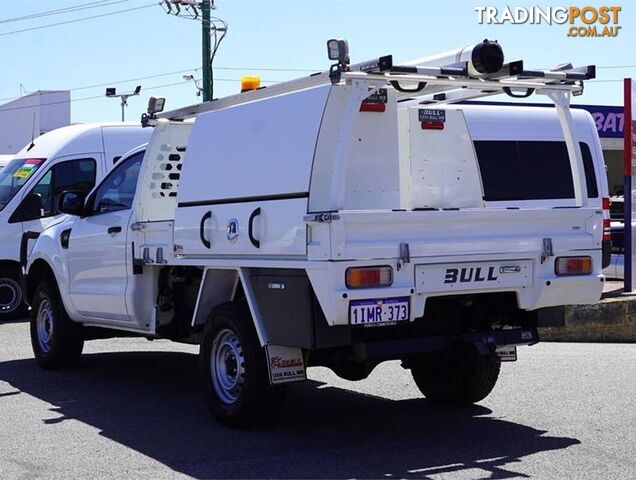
285 364
507 353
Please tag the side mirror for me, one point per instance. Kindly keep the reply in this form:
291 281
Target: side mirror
72 202
29 209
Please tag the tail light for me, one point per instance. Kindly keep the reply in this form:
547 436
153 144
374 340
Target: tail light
426 125
369 277
372 107
607 228
573 266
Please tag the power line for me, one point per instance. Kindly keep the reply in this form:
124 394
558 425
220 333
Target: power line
71 9
165 74
93 97
49 25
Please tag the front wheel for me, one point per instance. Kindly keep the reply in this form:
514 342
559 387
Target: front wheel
11 299
57 341
459 377
234 370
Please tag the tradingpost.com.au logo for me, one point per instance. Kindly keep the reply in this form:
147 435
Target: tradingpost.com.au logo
582 21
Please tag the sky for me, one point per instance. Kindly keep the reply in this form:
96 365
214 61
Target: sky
275 39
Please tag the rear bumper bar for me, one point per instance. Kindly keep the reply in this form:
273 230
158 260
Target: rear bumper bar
485 343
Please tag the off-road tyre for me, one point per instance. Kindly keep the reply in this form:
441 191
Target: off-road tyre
56 340
233 368
459 377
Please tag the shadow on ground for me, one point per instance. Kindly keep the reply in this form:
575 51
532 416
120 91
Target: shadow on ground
150 402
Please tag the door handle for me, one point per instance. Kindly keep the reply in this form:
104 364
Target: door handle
114 229
250 228
204 240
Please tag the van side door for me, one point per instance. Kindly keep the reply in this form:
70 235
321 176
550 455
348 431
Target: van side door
98 254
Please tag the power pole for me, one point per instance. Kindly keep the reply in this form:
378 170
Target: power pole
206 50
213 31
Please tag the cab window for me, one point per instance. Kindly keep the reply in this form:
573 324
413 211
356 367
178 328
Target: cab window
117 191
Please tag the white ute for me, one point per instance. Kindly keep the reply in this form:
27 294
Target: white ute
68 158
342 219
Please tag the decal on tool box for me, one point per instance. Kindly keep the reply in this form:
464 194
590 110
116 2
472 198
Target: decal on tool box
381 96
432 115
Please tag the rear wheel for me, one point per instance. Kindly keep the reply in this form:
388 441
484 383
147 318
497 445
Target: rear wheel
57 341
460 377
11 299
234 370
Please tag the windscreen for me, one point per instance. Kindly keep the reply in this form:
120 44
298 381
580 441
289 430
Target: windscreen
15 175
530 170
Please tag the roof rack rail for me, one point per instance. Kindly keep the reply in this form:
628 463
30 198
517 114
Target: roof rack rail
466 77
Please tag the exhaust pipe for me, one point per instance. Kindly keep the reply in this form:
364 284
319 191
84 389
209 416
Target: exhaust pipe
482 58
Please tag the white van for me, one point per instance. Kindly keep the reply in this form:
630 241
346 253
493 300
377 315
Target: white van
69 158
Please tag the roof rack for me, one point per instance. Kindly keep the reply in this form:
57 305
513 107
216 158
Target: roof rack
429 80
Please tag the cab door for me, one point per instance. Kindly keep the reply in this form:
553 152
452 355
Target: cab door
98 253
39 205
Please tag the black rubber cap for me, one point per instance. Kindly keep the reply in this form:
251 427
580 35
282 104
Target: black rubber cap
487 57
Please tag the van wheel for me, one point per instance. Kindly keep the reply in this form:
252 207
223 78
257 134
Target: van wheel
460 377
234 370
57 341
11 299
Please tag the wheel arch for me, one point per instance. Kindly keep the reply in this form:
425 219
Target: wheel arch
39 270
13 265
281 302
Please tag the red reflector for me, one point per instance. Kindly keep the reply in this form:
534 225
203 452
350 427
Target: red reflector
573 265
432 125
372 107
607 229
606 203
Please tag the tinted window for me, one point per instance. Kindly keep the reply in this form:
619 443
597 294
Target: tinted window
530 170
590 175
68 175
117 191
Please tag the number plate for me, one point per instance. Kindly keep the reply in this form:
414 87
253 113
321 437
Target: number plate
379 311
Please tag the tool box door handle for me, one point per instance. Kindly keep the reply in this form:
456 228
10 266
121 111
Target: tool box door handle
250 228
204 240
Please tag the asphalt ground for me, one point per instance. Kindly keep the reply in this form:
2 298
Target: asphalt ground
133 409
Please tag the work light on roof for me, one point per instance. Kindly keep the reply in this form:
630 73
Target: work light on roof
338 49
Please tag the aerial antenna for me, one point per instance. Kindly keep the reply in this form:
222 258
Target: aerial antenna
32 132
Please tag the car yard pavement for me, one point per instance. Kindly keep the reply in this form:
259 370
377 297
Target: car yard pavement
134 410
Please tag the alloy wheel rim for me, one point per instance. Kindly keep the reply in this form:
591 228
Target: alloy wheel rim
227 366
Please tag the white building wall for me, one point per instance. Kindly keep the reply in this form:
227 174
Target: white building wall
31 116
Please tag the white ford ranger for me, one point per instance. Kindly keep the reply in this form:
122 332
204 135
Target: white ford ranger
340 220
